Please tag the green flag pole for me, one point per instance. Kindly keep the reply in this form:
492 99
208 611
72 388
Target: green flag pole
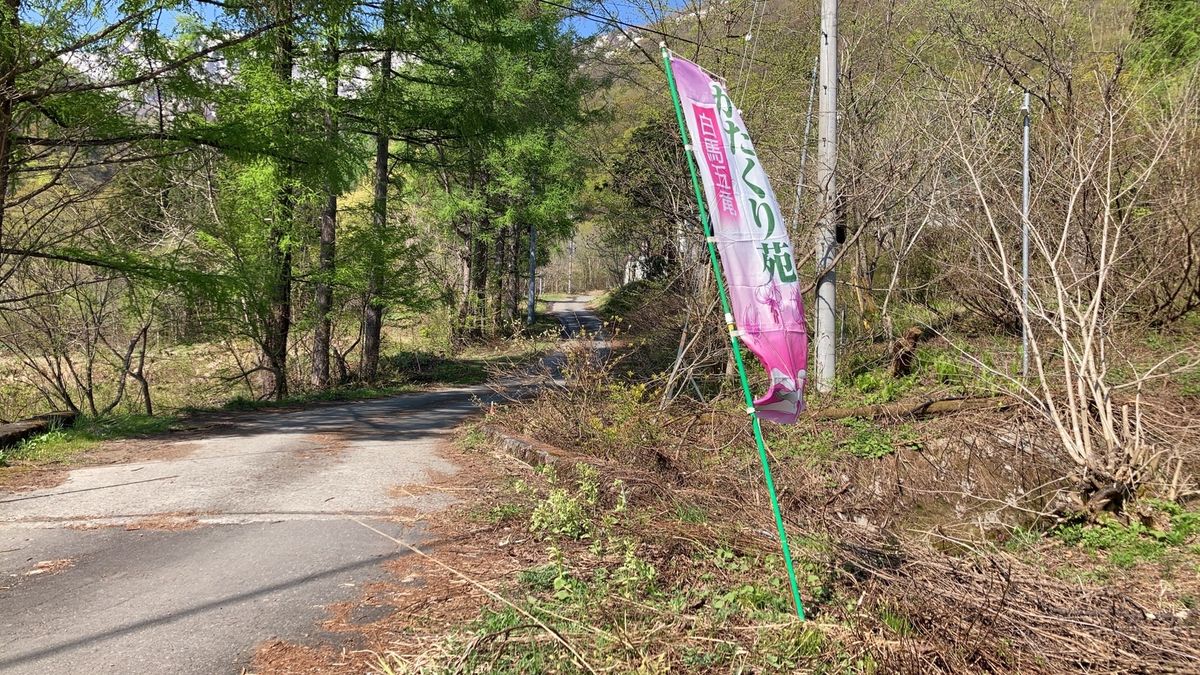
733 335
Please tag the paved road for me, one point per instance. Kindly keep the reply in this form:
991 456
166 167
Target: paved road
581 324
576 318
185 564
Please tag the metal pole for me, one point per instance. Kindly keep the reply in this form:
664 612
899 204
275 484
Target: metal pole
826 240
532 273
734 345
1025 241
812 93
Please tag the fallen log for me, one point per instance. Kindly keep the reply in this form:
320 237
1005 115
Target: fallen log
15 432
922 409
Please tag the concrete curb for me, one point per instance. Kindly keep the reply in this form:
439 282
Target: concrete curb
533 453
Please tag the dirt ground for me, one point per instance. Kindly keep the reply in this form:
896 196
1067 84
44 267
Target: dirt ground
24 476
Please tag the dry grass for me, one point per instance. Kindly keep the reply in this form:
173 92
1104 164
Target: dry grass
878 600
910 566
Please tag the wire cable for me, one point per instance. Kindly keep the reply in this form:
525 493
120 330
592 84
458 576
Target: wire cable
652 31
754 47
747 67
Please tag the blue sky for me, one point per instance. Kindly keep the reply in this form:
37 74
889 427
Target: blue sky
622 10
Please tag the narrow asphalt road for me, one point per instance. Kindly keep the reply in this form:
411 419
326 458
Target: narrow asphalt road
576 318
185 563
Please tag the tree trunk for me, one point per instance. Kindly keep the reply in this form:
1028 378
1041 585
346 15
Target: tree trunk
514 273
464 296
324 293
373 312
498 309
479 277
863 293
140 373
8 79
279 314
328 239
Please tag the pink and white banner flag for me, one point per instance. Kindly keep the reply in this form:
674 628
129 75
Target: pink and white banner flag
752 238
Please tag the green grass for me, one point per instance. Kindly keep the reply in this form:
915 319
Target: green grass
870 441
503 512
811 446
1129 545
895 621
520 656
474 439
424 368
544 325
876 387
539 578
690 513
1022 538
59 445
1189 383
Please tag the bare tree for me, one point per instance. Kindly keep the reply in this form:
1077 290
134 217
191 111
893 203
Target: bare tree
1089 211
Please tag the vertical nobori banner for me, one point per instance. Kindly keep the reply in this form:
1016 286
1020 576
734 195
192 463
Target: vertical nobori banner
756 252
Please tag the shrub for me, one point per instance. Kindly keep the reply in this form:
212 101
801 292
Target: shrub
561 514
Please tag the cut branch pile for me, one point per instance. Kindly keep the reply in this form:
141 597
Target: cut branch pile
997 613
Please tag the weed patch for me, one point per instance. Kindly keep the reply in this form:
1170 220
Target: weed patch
473 439
690 513
503 513
870 441
561 514
1127 545
874 387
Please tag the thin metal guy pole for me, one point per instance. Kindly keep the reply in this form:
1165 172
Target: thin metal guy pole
1025 242
734 345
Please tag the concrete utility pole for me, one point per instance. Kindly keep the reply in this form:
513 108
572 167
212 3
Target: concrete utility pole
1025 241
826 240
